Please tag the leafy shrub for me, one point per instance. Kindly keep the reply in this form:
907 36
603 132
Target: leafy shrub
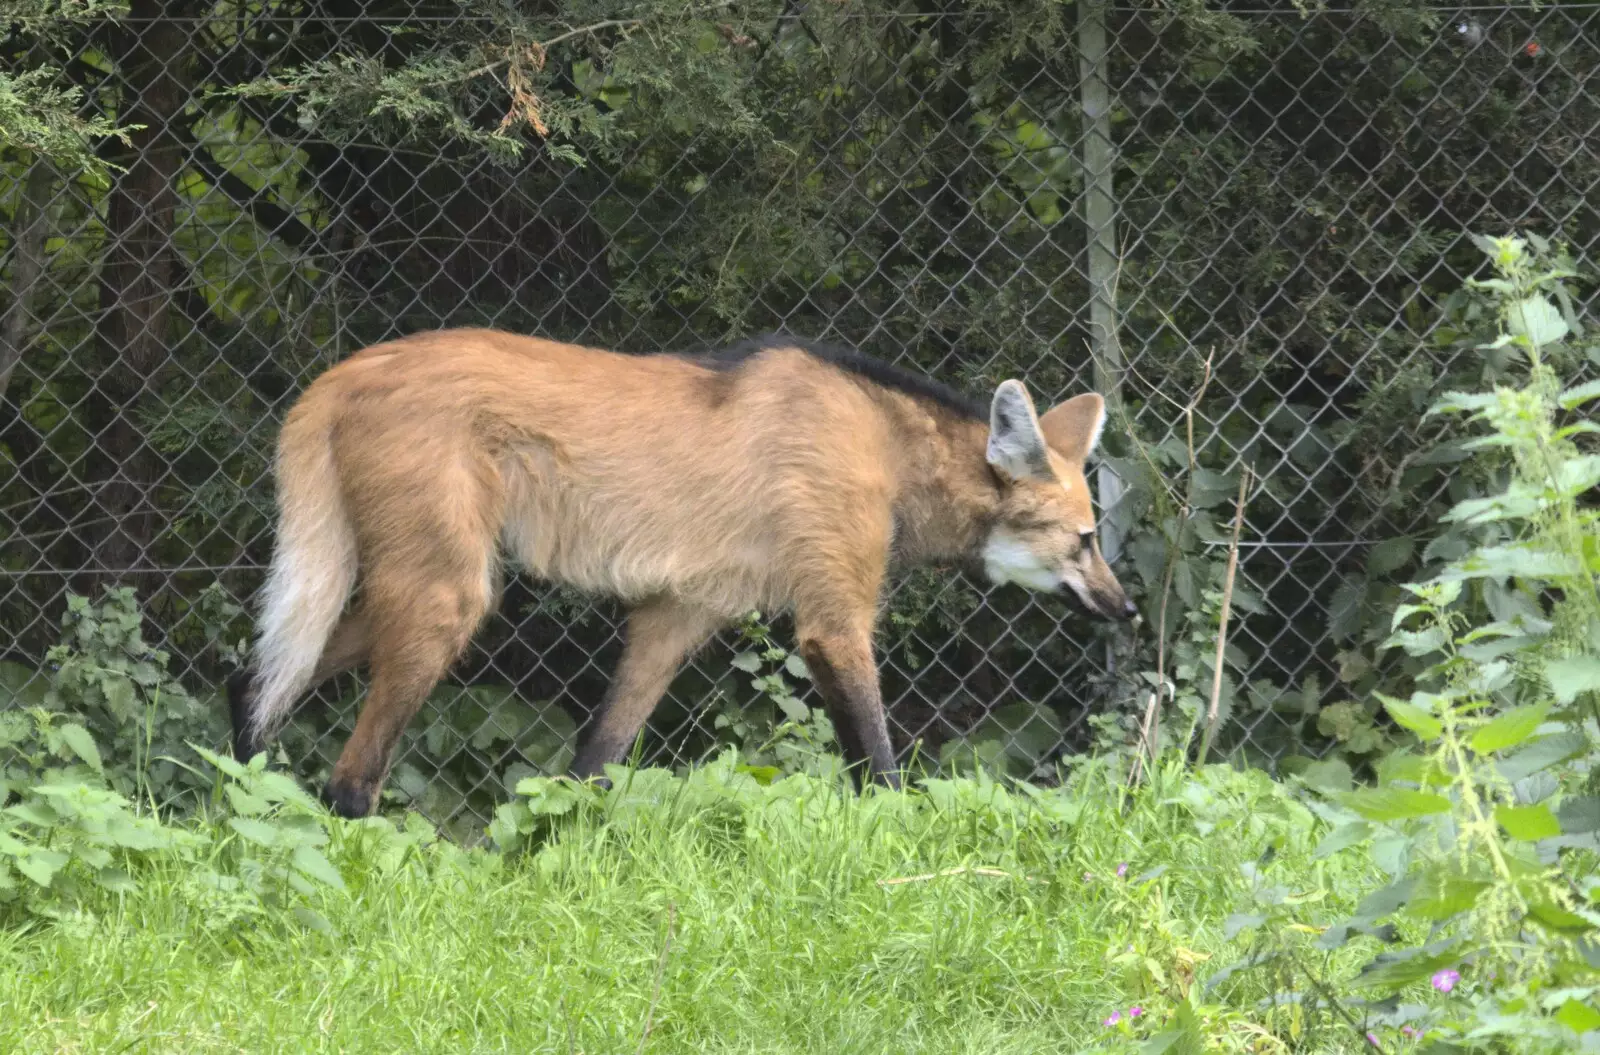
1487 821
109 679
63 829
69 838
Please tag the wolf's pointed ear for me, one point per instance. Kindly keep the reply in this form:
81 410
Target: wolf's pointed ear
1016 442
1073 428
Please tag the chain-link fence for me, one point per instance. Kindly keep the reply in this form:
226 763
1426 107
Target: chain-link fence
1244 225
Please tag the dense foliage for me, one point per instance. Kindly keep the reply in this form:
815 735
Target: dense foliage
207 203
297 179
1449 904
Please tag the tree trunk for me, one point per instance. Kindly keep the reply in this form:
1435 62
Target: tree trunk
31 229
136 285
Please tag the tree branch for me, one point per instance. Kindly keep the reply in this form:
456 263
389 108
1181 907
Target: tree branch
268 214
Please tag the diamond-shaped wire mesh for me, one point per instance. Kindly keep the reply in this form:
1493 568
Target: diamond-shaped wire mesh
1290 195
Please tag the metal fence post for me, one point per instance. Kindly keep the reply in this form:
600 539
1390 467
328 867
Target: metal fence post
1100 226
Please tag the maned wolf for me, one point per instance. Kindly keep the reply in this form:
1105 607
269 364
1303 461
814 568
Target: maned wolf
778 475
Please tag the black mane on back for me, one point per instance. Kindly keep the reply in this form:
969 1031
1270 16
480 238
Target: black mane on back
909 382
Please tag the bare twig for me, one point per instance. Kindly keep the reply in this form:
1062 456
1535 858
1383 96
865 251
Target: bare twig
1222 622
661 966
1147 741
1188 414
545 45
1333 1001
1150 728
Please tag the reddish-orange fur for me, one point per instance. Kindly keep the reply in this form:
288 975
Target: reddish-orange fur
691 493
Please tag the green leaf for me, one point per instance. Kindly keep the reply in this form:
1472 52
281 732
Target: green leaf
1418 642
1580 1018
1575 476
1537 319
1400 768
1412 717
1580 394
280 787
1394 970
116 880
1239 921
42 865
1579 815
749 662
244 803
1212 487
1161 1043
131 835
1541 755
511 820
1389 555
1394 804
797 666
1528 823
310 862
1509 729
1570 676
1457 401
1385 900
312 920
1344 609
792 708
80 743
259 832
1557 918
763 775
1342 838
1444 896
121 698
1519 560
38 813
1331 774
234 769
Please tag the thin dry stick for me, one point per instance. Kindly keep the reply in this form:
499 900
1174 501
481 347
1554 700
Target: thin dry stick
1150 728
546 45
1222 623
1147 743
977 871
661 966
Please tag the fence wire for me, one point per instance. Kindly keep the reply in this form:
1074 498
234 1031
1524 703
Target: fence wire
1284 200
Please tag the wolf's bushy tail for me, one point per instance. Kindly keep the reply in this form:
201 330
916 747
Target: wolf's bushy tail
313 571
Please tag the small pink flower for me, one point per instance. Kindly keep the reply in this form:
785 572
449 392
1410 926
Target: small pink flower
1372 1038
1122 869
1446 980
1135 1011
1116 1016
1088 876
1408 1031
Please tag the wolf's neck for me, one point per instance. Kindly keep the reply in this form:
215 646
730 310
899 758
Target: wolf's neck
948 497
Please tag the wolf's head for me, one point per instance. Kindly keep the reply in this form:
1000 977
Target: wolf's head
1044 537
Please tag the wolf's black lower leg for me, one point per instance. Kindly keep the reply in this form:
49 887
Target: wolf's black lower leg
240 689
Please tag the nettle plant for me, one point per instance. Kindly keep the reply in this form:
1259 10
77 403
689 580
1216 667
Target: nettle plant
1488 823
104 673
776 733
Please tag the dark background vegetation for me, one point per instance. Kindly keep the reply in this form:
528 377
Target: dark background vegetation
1293 191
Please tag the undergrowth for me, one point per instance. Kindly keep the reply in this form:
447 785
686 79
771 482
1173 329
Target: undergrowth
757 904
694 913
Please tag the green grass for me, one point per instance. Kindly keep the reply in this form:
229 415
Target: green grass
703 915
